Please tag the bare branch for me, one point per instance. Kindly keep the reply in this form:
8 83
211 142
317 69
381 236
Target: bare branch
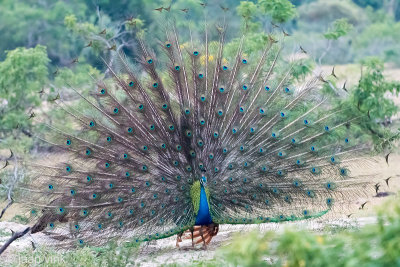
14 237
11 186
325 52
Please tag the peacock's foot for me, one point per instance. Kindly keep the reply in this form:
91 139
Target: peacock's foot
178 239
199 234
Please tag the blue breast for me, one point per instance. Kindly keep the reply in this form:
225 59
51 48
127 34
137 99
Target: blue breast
203 216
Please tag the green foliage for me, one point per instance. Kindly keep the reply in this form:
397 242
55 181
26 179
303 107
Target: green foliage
247 9
20 219
339 28
4 233
372 245
89 33
302 68
254 42
85 28
118 255
368 101
318 15
29 23
369 95
376 4
24 74
279 10
390 7
78 76
380 39
110 256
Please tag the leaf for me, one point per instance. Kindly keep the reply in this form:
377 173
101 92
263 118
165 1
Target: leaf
339 28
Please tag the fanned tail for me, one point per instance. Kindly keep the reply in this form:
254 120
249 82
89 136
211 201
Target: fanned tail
131 158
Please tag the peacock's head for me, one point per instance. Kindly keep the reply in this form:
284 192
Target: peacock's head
203 181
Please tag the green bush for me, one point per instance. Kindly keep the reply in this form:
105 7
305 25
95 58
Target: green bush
23 74
317 16
380 39
372 245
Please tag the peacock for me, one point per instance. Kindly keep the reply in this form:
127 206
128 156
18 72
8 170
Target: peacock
188 134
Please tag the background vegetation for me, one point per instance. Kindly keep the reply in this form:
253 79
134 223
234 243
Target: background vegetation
45 43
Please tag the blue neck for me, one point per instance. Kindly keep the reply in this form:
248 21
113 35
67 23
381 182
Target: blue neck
203 216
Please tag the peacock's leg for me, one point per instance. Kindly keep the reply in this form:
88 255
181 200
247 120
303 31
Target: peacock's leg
202 237
191 233
216 229
178 239
199 234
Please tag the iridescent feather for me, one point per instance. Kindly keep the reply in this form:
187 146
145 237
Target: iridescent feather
195 134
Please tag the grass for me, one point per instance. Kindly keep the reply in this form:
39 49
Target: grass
5 233
110 255
20 219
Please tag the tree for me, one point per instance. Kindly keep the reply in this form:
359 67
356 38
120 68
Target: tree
24 73
29 23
